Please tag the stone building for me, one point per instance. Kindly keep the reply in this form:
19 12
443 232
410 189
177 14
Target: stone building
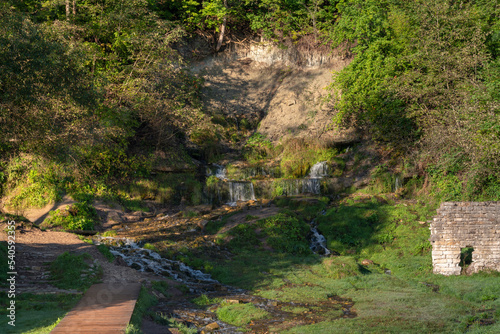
461 227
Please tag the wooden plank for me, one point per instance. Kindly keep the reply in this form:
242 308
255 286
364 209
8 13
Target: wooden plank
103 309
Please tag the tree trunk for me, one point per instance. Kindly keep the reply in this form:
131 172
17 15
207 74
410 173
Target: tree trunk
74 8
222 30
67 10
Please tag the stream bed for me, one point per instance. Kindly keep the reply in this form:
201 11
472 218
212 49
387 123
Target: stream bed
280 313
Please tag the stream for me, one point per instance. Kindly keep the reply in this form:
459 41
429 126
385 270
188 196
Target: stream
199 283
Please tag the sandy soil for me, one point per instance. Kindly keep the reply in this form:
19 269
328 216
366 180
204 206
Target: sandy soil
288 101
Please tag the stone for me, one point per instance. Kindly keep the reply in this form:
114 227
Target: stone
465 224
232 301
366 262
211 327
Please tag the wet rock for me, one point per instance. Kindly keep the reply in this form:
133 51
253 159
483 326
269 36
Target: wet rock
210 328
120 261
232 301
135 266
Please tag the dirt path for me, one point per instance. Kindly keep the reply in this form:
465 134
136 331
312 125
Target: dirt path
35 249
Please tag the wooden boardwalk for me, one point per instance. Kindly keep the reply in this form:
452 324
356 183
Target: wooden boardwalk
103 309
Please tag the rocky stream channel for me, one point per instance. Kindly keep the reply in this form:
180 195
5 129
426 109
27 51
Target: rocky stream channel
197 283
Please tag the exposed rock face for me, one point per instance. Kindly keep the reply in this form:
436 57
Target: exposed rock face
466 224
282 90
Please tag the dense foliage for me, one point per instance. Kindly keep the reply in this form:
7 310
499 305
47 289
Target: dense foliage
425 75
99 86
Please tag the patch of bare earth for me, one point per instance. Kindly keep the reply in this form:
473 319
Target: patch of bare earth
288 101
36 249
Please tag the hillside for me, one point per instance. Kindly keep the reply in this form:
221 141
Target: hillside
260 166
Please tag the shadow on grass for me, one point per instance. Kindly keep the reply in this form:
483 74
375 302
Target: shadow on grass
36 313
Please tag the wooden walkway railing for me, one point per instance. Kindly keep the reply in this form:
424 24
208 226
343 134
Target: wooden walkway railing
104 309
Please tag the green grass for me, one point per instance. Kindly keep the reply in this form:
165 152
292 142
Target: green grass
144 302
240 314
71 271
204 300
4 266
78 216
37 313
161 286
395 294
286 233
106 252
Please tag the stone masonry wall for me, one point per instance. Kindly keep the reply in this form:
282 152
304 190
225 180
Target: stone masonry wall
466 224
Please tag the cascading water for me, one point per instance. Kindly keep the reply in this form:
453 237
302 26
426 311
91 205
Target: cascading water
147 260
318 241
397 183
319 170
241 191
218 171
238 190
312 184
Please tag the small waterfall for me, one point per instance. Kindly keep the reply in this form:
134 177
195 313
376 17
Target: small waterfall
397 183
241 191
312 184
318 241
319 170
217 171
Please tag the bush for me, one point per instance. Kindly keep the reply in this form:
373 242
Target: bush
258 147
78 216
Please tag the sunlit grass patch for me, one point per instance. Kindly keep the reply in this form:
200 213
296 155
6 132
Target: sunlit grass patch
240 314
37 313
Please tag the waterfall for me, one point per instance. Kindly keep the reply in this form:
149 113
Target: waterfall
397 183
241 191
147 260
318 241
319 170
220 172
217 171
312 184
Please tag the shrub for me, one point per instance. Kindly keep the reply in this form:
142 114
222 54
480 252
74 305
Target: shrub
78 216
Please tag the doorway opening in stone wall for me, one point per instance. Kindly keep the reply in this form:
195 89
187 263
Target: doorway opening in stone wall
465 258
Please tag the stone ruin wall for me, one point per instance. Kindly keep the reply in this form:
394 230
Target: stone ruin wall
466 224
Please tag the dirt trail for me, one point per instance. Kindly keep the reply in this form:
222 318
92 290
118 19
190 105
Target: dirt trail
35 249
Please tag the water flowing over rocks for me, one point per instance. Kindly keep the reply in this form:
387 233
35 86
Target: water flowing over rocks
318 241
147 260
241 191
249 183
